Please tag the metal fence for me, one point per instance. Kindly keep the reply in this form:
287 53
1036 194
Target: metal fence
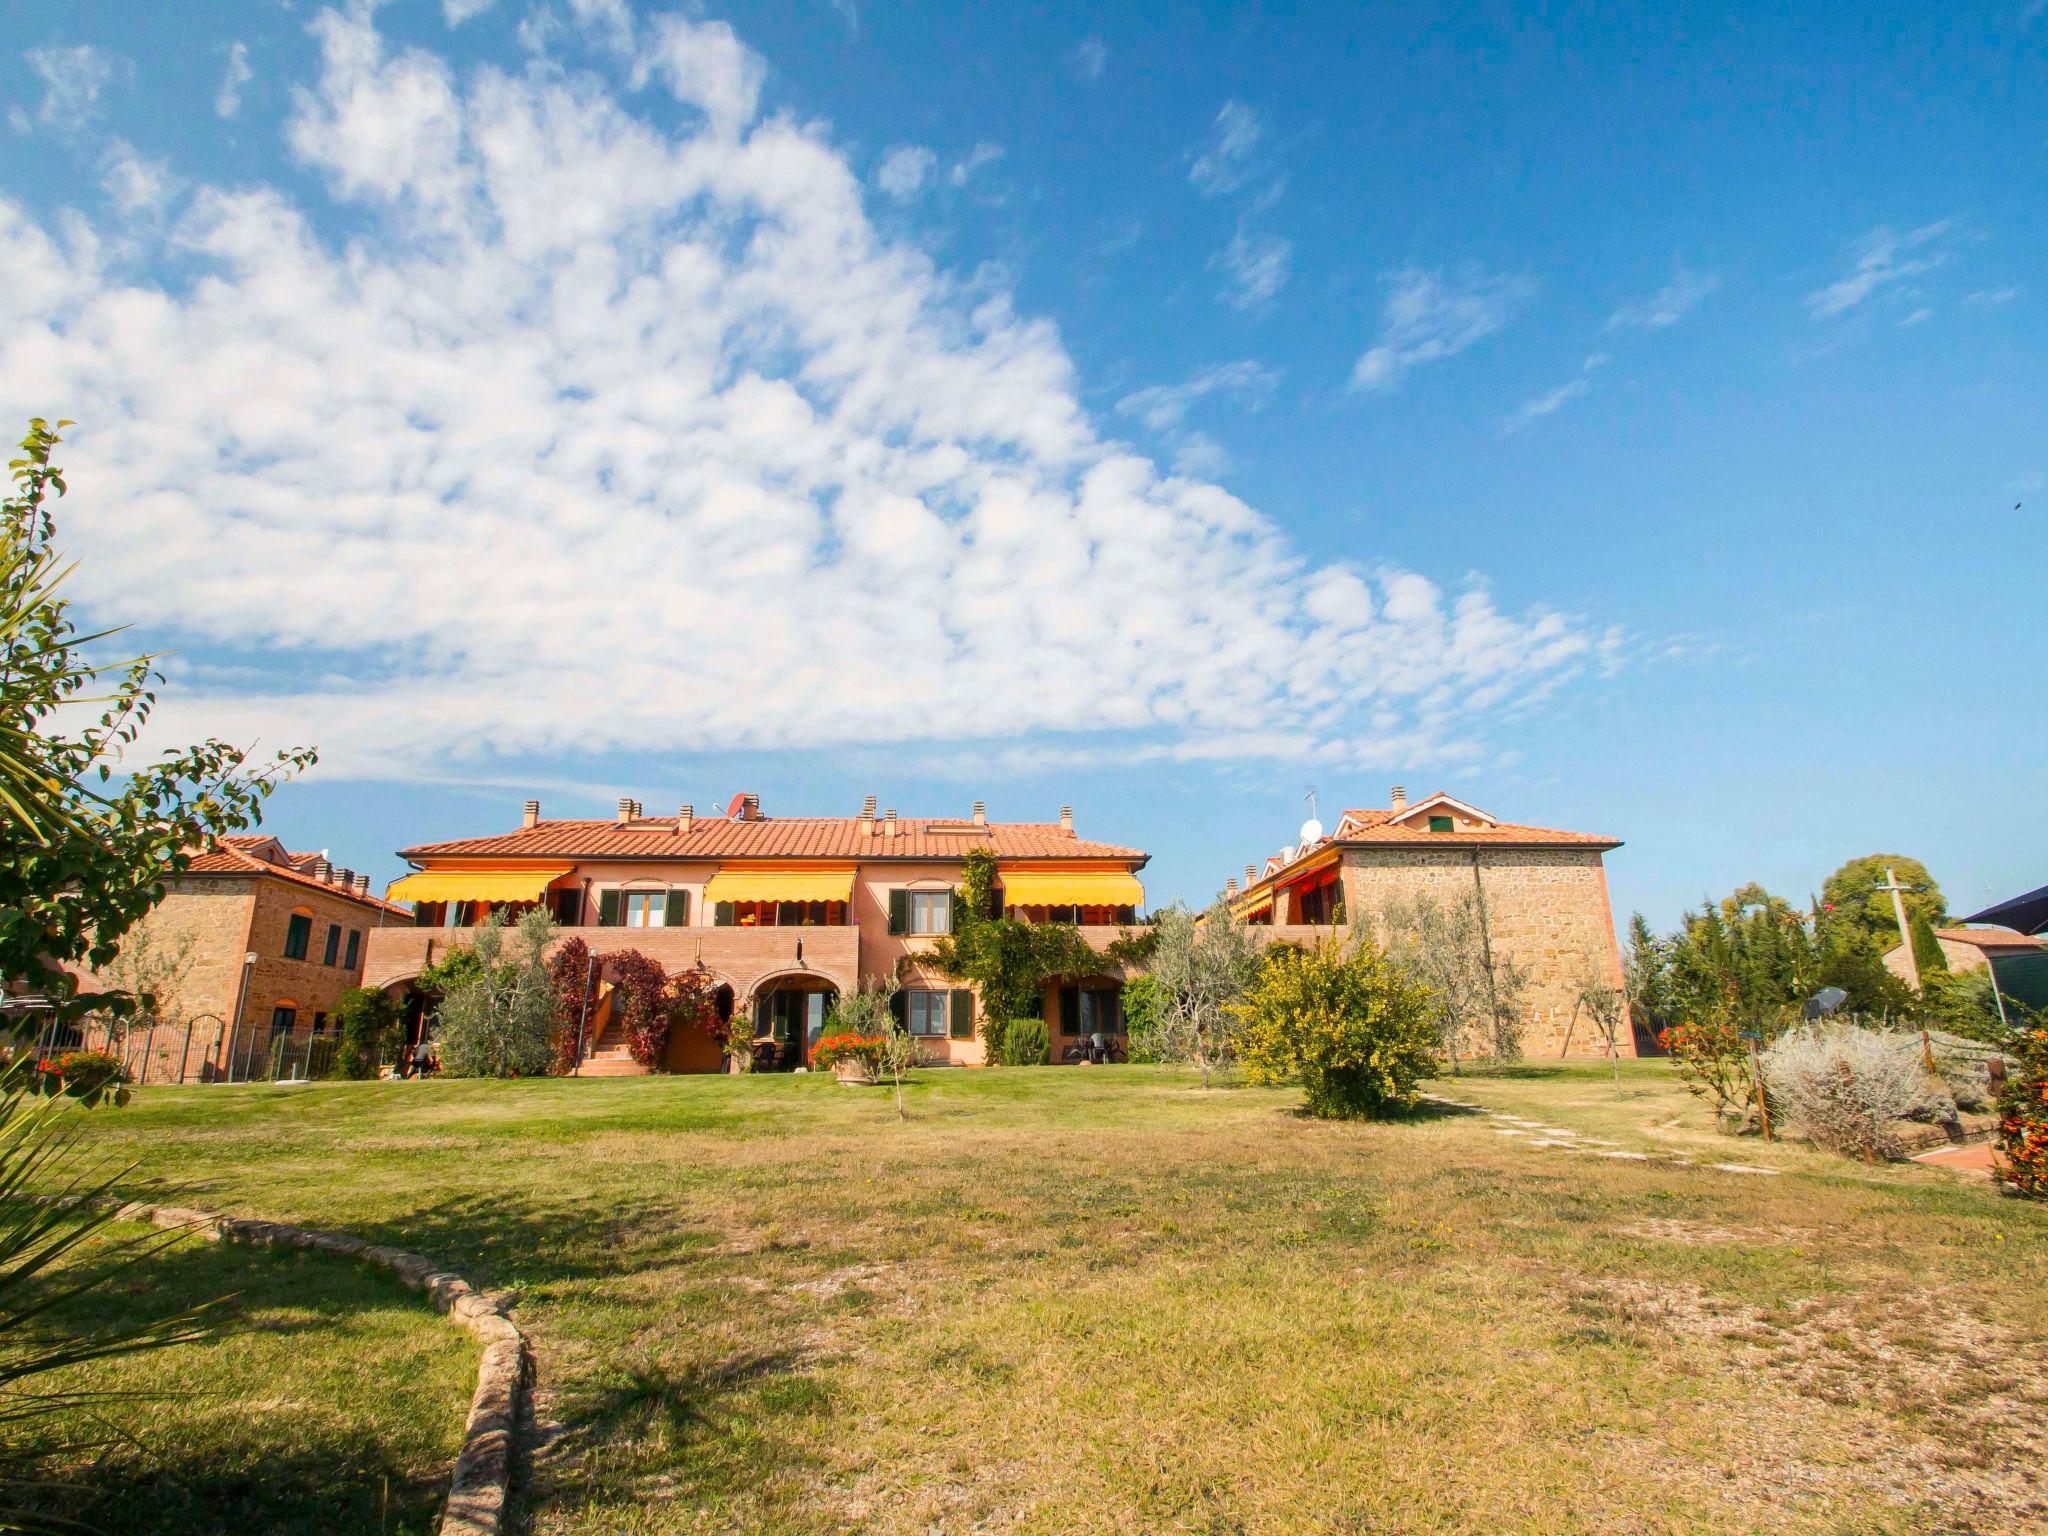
199 1050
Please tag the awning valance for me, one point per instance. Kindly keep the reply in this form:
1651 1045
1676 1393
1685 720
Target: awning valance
780 885
1262 902
1071 888
476 884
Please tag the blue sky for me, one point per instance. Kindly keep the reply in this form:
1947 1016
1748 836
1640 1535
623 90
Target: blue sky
1617 421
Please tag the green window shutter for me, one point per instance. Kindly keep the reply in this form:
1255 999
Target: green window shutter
1070 1010
678 909
961 1021
1440 824
610 909
899 912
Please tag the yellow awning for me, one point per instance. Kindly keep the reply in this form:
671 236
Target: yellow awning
1255 906
476 884
1071 888
780 885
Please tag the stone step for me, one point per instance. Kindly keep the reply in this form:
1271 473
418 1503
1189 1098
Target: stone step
610 1066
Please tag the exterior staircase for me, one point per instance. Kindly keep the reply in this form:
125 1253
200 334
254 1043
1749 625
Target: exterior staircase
606 1054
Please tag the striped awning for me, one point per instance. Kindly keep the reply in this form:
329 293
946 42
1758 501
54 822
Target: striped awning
476 884
1071 888
780 885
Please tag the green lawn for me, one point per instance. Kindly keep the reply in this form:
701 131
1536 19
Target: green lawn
1105 1300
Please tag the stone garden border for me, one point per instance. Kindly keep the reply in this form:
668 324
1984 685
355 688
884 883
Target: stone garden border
480 1489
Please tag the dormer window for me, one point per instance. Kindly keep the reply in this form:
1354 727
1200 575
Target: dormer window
1442 824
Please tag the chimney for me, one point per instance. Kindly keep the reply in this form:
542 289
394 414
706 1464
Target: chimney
1251 876
531 814
685 818
1067 820
323 871
362 885
866 818
981 813
1230 886
889 822
625 809
344 878
1400 797
750 809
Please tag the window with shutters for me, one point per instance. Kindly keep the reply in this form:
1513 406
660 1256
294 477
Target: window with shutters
282 1018
355 949
1441 824
927 1012
298 934
332 955
568 905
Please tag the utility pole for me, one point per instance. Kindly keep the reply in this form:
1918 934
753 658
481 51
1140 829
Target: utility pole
1891 883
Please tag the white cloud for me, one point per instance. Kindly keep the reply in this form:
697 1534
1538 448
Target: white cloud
1163 407
1091 58
1426 318
1533 410
596 435
1668 305
136 185
1991 298
1258 267
1884 258
850 14
227 101
1227 162
1917 317
705 65
976 159
73 81
905 170
456 12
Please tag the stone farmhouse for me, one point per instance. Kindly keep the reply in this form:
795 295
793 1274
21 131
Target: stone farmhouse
786 913
1540 895
275 937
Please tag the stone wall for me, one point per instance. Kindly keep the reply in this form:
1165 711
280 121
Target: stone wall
1547 908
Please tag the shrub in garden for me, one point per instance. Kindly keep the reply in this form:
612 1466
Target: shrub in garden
868 1050
1353 1030
1025 1043
640 1000
1845 1086
368 1021
2023 1112
1713 1061
1143 1023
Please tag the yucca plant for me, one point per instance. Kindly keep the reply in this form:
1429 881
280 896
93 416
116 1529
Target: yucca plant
55 1198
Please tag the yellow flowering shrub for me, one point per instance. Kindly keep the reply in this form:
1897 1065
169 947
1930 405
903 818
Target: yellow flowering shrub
1348 1026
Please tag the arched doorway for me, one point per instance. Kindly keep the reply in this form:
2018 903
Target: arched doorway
789 1016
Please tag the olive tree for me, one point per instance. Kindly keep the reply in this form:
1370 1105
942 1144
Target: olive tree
1202 967
500 1020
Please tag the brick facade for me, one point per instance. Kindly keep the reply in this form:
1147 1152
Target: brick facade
230 908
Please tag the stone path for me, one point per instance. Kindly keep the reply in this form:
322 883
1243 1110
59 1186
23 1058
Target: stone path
1558 1138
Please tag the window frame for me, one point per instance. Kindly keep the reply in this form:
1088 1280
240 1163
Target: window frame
650 906
921 908
298 935
936 1004
284 1018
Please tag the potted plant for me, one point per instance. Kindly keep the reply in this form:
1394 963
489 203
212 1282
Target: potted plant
852 1058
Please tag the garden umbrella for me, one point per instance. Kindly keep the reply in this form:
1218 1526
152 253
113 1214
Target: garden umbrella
2028 913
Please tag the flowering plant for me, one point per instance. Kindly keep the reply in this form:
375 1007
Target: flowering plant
2023 1114
869 1051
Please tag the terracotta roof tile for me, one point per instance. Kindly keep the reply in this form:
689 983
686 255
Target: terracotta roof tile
777 837
1501 833
232 860
1993 938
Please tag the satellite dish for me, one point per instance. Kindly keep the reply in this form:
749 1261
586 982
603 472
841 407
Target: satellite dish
1824 1002
1311 832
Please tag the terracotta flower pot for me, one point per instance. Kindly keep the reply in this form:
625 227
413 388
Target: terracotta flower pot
849 1071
